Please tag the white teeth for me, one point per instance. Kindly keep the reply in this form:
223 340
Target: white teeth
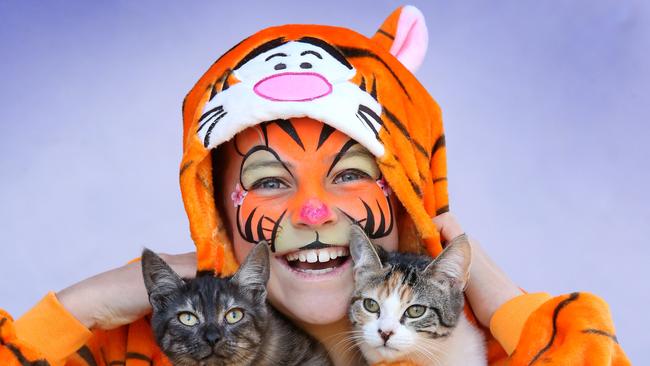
319 255
312 257
323 256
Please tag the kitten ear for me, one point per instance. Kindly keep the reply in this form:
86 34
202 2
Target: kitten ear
454 262
254 272
363 252
159 278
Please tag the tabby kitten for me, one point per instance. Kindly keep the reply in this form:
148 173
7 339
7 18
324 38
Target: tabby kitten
410 307
210 321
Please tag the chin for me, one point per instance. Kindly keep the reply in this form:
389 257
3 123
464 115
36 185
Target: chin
313 293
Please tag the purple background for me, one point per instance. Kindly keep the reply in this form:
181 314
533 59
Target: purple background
545 103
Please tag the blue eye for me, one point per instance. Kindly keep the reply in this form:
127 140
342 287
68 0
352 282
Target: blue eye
269 183
350 175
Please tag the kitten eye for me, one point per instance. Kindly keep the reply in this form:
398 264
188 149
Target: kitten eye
188 318
415 311
234 315
371 305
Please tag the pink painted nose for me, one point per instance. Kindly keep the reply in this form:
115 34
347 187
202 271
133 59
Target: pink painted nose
293 87
314 212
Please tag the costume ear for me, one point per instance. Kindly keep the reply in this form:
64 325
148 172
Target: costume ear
404 33
160 280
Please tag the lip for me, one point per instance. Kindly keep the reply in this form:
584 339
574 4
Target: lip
336 272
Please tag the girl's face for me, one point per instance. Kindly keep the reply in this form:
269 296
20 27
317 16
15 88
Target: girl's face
299 185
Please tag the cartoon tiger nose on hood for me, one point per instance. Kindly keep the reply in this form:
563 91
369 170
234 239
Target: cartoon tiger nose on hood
362 86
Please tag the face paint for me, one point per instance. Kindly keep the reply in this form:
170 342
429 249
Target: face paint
301 186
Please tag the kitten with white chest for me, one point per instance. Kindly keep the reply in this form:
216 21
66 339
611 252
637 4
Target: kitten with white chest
410 307
211 321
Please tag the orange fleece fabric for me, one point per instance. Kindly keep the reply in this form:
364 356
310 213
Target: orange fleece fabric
573 329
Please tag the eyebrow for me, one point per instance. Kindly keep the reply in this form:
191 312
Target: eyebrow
346 152
308 52
361 153
266 164
280 54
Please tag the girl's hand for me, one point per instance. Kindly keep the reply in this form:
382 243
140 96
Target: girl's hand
117 297
488 287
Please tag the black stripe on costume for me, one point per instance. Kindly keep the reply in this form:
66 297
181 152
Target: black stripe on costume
442 210
362 86
287 127
230 49
440 142
373 89
332 50
206 141
416 188
226 85
138 356
373 115
211 119
383 32
600 332
436 180
397 123
213 91
325 133
573 297
421 149
260 50
354 52
185 166
24 361
405 132
84 352
365 120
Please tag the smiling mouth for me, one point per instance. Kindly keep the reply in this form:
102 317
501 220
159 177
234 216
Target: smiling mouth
317 261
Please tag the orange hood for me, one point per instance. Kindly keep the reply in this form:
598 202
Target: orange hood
359 85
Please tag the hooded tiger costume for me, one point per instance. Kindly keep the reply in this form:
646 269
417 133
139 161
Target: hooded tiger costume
365 88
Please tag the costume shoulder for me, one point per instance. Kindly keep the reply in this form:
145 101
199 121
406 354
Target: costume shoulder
47 335
573 329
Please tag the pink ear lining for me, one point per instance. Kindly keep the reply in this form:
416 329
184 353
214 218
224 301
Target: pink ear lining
411 38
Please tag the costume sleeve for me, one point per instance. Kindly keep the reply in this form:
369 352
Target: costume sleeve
574 329
46 334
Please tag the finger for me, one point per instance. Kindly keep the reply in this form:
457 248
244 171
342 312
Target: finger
448 226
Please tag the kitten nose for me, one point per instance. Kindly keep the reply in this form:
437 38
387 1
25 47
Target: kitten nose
385 335
211 336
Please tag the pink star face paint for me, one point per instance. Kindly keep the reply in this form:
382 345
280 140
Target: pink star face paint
302 184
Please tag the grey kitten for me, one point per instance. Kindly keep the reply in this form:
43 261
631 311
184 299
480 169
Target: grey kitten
210 321
410 307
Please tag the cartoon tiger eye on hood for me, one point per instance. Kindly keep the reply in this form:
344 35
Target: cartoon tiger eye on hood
363 87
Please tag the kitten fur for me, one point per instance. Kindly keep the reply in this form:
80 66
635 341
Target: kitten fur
441 335
262 336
